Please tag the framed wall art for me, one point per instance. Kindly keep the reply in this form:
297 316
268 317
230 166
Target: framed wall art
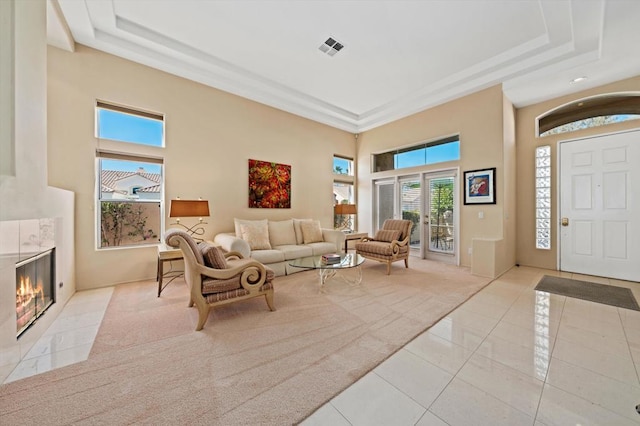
269 185
480 186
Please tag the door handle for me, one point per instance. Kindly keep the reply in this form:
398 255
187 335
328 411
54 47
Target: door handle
565 221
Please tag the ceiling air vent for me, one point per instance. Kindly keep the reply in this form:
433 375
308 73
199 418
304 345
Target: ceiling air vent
331 46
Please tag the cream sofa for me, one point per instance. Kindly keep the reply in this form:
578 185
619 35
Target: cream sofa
277 243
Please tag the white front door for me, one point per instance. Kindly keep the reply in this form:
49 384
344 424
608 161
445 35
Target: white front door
600 206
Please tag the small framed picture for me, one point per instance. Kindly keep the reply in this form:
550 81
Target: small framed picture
480 186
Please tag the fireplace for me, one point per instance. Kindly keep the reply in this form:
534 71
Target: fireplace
35 288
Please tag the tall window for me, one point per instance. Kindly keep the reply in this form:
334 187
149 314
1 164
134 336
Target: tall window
447 149
343 185
130 182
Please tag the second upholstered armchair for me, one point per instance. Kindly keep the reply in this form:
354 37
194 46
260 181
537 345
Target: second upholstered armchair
390 244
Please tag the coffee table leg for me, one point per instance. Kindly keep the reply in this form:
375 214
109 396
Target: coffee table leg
328 273
358 275
324 274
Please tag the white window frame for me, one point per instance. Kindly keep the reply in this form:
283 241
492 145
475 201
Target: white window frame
128 151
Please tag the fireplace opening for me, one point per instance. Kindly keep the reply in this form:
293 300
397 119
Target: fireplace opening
35 288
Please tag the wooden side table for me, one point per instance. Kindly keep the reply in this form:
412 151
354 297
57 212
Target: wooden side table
352 236
167 254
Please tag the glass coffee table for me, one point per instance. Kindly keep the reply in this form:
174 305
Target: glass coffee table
328 270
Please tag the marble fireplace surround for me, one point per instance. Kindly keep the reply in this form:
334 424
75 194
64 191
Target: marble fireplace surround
19 240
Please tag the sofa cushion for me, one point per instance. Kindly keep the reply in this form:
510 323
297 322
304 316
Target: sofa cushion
268 256
311 231
322 248
282 233
295 251
256 234
387 235
213 256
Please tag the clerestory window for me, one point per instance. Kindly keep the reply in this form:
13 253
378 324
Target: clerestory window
422 154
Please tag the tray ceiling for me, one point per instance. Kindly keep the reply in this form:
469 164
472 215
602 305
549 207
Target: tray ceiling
399 57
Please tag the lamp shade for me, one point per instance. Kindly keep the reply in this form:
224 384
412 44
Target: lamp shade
345 209
189 208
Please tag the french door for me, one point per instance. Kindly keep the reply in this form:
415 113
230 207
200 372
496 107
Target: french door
410 209
385 197
400 198
440 218
430 201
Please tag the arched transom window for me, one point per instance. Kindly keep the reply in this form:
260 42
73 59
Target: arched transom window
590 112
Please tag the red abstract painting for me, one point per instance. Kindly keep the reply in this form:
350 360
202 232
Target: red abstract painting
269 185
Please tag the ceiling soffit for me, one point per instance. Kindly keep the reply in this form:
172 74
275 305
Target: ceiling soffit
355 90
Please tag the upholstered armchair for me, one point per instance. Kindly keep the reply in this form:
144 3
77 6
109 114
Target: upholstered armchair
390 244
216 278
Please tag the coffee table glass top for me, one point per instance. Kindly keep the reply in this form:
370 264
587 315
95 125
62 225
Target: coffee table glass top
350 260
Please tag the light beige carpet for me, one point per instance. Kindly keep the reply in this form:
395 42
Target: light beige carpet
248 365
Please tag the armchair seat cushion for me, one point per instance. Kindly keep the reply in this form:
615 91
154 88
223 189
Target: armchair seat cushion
214 285
381 248
232 294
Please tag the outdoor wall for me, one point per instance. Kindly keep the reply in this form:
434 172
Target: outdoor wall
527 142
210 136
479 119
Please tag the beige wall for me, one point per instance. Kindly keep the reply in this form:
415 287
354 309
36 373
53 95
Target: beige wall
527 142
210 136
480 120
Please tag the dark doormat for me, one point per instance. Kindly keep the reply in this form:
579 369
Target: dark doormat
599 293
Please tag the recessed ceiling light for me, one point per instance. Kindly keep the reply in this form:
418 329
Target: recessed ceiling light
578 80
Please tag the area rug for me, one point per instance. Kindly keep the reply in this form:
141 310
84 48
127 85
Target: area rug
248 365
620 297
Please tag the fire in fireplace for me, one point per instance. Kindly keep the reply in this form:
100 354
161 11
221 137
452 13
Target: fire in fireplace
35 288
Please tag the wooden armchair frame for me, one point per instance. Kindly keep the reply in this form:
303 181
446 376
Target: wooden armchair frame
252 275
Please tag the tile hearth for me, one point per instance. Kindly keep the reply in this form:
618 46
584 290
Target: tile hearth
69 338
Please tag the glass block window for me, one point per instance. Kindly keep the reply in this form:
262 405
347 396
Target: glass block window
543 197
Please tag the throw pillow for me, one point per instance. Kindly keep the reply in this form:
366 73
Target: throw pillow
386 235
311 231
256 234
282 233
238 222
298 230
213 256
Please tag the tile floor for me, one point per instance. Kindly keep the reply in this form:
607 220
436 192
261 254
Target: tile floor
508 356
69 338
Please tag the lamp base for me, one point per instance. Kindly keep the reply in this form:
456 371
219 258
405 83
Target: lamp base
194 230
